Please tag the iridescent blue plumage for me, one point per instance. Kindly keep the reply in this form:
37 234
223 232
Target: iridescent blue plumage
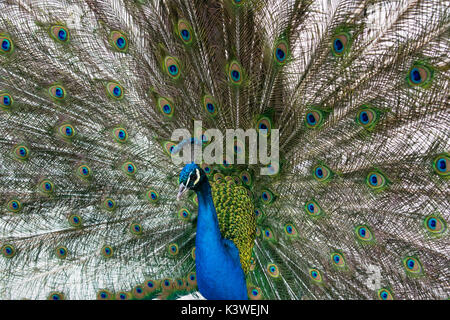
219 272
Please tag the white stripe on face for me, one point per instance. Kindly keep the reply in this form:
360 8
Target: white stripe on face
198 176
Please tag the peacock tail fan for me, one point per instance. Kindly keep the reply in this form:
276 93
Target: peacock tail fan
91 92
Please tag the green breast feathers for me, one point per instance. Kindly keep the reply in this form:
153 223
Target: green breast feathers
236 216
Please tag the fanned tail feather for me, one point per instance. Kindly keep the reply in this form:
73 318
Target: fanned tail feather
94 89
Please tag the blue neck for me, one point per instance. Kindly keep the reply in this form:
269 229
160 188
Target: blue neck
207 223
219 273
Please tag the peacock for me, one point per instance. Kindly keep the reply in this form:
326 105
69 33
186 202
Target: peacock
92 205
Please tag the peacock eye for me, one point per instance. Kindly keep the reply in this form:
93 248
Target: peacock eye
67 131
264 126
435 224
312 208
6 44
367 117
172 67
315 275
61 252
281 52
84 171
172 249
129 168
338 259
385 294
59 33
8 250
314 118
420 74
114 90
235 73
57 92
119 41
290 230
166 107
185 32
56 296
14 206
104 295
272 270
210 105
120 134
21 152
184 214
412 266
364 234
441 164
321 173
6 100
340 43
376 180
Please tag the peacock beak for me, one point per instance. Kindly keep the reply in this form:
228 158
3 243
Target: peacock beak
183 189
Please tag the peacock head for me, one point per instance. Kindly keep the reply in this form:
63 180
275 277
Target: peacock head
191 177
